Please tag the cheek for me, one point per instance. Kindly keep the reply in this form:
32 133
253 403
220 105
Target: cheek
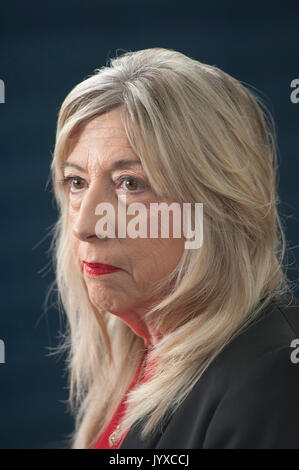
75 202
73 212
74 241
75 250
153 259
165 255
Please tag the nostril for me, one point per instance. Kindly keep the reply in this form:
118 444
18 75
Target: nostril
85 235
79 233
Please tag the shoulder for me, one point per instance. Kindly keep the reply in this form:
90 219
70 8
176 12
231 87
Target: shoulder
248 396
273 333
258 407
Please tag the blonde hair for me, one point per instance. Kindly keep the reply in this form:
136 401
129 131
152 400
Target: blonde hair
201 136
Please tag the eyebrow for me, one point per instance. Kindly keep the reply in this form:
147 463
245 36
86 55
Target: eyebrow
115 165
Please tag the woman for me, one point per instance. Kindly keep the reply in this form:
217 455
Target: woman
172 347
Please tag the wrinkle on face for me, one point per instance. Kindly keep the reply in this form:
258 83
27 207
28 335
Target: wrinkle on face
144 261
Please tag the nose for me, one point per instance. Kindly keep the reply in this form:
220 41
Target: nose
84 227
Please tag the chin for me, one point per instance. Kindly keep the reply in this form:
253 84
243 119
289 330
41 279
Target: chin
112 306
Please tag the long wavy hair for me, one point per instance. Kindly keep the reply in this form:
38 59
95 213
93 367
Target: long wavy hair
202 136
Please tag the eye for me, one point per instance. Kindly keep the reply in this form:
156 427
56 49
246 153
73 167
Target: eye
131 183
76 183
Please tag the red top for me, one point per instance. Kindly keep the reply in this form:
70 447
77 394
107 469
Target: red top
103 442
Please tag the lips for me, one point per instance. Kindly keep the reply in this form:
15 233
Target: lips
96 269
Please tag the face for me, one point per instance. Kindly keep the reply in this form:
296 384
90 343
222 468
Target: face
92 176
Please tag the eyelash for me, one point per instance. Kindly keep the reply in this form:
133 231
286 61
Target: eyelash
69 180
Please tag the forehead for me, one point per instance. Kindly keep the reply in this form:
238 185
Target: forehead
106 129
100 141
107 125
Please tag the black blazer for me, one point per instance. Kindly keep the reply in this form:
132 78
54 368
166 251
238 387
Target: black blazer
248 397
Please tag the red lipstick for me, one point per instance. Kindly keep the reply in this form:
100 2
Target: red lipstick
97 269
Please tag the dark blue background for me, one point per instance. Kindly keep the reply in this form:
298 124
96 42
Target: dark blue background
44 53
